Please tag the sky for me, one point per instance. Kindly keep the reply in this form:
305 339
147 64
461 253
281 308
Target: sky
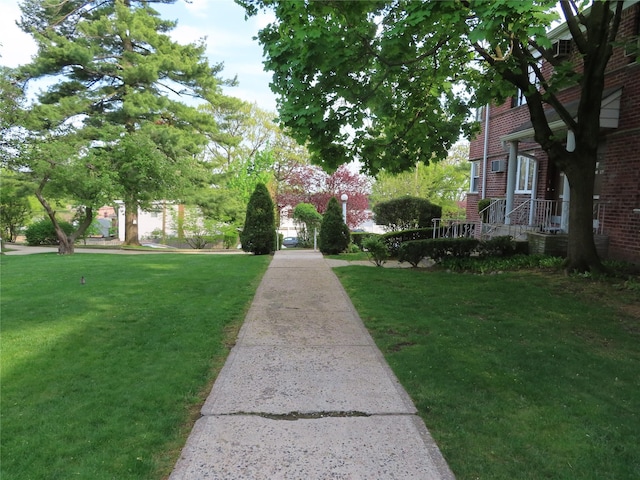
229 39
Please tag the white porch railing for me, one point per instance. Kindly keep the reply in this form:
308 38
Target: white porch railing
539 215
443 228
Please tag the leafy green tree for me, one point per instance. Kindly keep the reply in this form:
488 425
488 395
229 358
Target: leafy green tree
389 70
443 183
120 80
369 65
41 145
259 233
15 208
307 220
248 148
250 172
12 99
198 230
406 213
334 233
55 159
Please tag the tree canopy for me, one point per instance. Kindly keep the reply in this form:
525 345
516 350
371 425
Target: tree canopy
123 87
371 66
311 184
382 81
307 220
444 183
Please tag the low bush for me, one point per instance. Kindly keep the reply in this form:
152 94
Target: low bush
503 246
358 237
353 248
43 232
376 250
497 264
437 249
230 239
393 240
441 248
413 252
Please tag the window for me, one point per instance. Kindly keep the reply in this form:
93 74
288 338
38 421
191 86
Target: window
479 114
519 98
525 173
597 183
475 177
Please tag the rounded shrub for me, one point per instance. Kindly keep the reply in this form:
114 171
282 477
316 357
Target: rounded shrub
406 213
43 232
376 250
503 246
413 252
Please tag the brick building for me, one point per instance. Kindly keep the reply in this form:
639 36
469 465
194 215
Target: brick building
511 170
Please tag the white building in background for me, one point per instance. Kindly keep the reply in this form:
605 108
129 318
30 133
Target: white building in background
287 226
158 219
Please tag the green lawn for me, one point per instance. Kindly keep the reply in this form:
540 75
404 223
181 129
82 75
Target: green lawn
103 380
517 375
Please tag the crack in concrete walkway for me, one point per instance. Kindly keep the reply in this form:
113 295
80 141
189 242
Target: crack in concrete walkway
305 393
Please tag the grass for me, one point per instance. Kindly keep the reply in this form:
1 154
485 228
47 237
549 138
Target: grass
518 376
104 380
350 257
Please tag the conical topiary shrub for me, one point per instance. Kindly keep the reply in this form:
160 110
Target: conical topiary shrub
259 233
334 233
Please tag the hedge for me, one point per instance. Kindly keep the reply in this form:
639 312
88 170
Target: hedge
436 249
43 232
393 240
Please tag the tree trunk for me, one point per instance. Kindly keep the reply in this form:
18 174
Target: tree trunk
180 227
65 244
131 224
582 255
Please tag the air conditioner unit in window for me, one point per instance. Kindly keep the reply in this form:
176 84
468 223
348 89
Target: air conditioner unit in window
562 48
498 166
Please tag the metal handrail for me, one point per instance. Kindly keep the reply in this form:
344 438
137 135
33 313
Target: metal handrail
533 214
453 228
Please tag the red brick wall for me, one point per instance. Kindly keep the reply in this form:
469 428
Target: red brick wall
620 191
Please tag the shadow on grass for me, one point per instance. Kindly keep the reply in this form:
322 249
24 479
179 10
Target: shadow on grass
518 375
98 379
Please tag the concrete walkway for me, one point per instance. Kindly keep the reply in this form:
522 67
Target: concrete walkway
306 394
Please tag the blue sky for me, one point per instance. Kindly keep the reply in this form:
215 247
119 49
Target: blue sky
229 39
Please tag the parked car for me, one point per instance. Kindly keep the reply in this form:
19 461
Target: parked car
290 242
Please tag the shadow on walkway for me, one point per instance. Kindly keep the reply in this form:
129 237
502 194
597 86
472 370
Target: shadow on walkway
306 394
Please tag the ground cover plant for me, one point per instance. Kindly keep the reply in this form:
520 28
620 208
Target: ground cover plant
102 380
520 375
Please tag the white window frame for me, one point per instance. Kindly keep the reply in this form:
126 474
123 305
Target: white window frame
520 99
529 173
474 182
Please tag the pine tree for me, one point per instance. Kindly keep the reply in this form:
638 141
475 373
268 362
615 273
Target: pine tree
120 74
259 233
334 233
